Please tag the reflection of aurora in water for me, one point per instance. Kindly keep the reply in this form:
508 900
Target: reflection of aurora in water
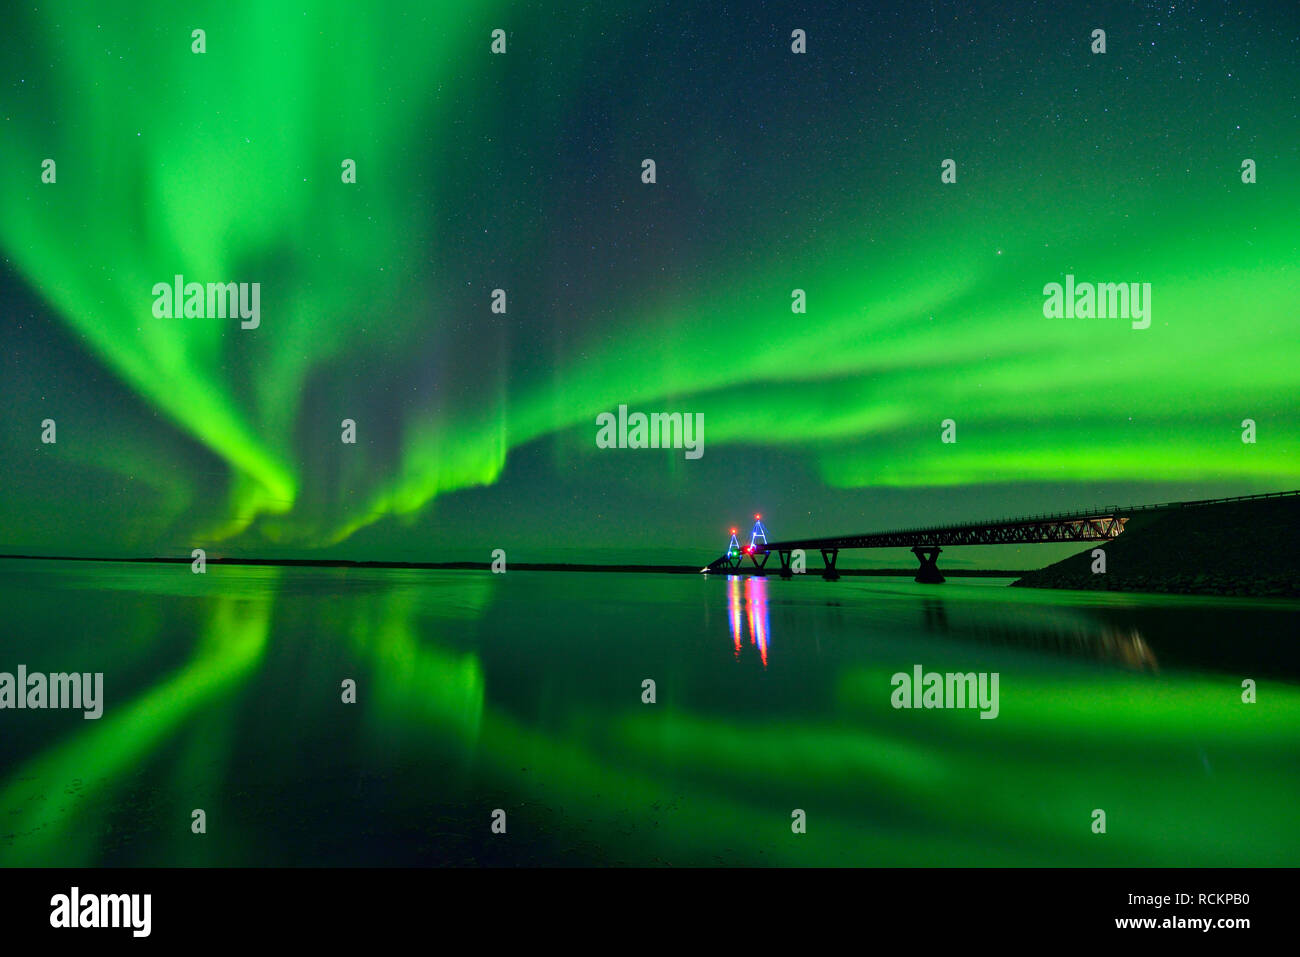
482 691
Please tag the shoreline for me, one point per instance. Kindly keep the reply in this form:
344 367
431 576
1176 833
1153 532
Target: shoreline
1232 549
516 566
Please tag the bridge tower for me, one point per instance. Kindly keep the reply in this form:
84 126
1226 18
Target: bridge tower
758 533
929 573
733 549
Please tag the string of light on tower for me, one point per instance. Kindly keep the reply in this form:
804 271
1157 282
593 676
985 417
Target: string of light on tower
757 536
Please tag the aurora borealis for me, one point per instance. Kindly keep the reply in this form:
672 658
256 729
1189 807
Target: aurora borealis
521 171
345 343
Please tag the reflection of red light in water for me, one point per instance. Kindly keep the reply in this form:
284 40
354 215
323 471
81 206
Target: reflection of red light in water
733 609
756 611
755 605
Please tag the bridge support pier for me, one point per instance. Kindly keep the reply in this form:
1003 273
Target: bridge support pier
928 556
759 566
830 556
784 555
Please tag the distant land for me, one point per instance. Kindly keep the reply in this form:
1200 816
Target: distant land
1244 548
513 566
1229 548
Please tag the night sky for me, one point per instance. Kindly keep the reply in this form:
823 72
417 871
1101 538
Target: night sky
775 171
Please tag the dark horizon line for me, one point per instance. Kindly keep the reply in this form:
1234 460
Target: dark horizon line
486 566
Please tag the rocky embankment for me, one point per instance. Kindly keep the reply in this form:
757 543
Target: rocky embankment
1232 548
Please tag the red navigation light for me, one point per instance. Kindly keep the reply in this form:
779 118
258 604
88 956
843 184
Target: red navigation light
733 531
757 517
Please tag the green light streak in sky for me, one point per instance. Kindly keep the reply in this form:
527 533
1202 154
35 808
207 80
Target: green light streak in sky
924 301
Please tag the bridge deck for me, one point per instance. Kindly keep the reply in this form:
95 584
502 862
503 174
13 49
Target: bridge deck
1089 525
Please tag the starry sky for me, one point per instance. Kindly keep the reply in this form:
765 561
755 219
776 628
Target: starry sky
775 171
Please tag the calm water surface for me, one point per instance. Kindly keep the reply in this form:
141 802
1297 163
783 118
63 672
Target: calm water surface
523 692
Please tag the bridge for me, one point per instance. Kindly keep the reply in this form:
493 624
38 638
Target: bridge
1086 525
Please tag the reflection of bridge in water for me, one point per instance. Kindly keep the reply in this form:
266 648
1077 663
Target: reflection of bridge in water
1089 525
749 608
1082 635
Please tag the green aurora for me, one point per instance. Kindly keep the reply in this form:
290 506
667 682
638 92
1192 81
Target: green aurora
521 172
476 430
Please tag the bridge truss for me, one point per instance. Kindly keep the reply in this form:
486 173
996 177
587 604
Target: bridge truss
1092 525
